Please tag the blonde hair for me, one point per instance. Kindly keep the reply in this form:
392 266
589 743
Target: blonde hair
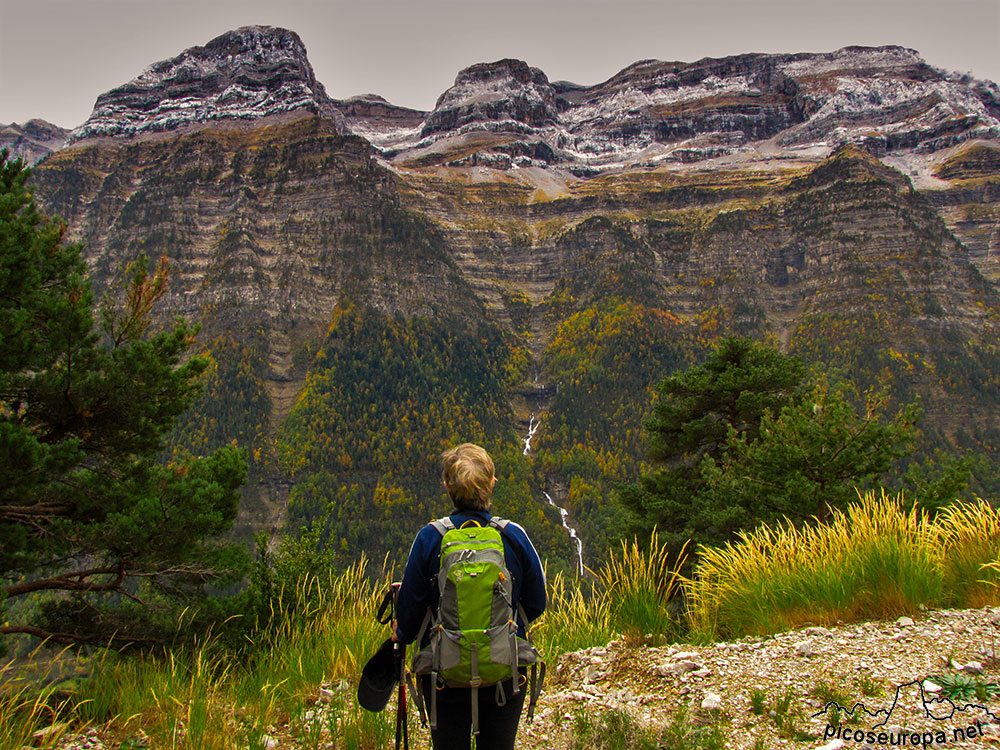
468 474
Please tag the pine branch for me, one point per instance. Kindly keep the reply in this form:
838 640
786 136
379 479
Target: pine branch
73 638
46 635
28 513
73 581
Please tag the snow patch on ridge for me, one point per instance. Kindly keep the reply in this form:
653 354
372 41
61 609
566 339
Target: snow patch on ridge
632 99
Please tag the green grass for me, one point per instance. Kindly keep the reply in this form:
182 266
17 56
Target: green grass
629 596
969 538
203 697
619 730
611 730
827 693
878 559
576 618
787 716
323 631
25 710
965 687
640 583
869 686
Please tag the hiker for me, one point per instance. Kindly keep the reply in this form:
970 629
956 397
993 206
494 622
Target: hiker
493 710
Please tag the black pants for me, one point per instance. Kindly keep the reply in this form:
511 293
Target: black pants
497 724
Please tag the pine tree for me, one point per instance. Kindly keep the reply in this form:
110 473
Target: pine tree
748 438
104 537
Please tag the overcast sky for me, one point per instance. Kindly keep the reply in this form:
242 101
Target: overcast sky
57 56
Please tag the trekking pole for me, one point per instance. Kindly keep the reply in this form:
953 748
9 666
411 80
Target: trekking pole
401 708
399 652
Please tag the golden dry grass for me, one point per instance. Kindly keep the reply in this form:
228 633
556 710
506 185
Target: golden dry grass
879 558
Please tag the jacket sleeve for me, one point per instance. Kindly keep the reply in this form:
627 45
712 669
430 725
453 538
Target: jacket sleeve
414 596
532 576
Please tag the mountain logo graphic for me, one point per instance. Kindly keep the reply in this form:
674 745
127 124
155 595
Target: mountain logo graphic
932 705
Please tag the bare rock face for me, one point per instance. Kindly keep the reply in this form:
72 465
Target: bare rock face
886 99
501 114
33 140
742 109
372 109
379 121
707 107
506 92
245 75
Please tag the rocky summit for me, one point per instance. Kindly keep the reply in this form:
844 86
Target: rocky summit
744 109
750 109
32 141
374 282
242 76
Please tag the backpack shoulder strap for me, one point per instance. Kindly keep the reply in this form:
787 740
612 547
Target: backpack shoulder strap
443 525
500 523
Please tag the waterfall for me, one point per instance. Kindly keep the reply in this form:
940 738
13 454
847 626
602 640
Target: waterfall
532 429
564 516
533 425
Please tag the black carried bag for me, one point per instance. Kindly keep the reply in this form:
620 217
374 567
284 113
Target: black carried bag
384 671
378 678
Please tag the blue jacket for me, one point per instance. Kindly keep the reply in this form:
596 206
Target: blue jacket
419 589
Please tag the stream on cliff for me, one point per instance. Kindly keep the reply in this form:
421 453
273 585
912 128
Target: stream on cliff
563 513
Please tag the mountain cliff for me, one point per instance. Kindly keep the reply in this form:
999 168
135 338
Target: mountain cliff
246 75
33 140
376 282
749 107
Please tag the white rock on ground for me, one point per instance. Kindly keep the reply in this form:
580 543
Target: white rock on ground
712 702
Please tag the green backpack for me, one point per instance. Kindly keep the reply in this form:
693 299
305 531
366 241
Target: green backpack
474 639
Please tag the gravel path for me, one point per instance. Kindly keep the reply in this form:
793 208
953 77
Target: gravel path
883 665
